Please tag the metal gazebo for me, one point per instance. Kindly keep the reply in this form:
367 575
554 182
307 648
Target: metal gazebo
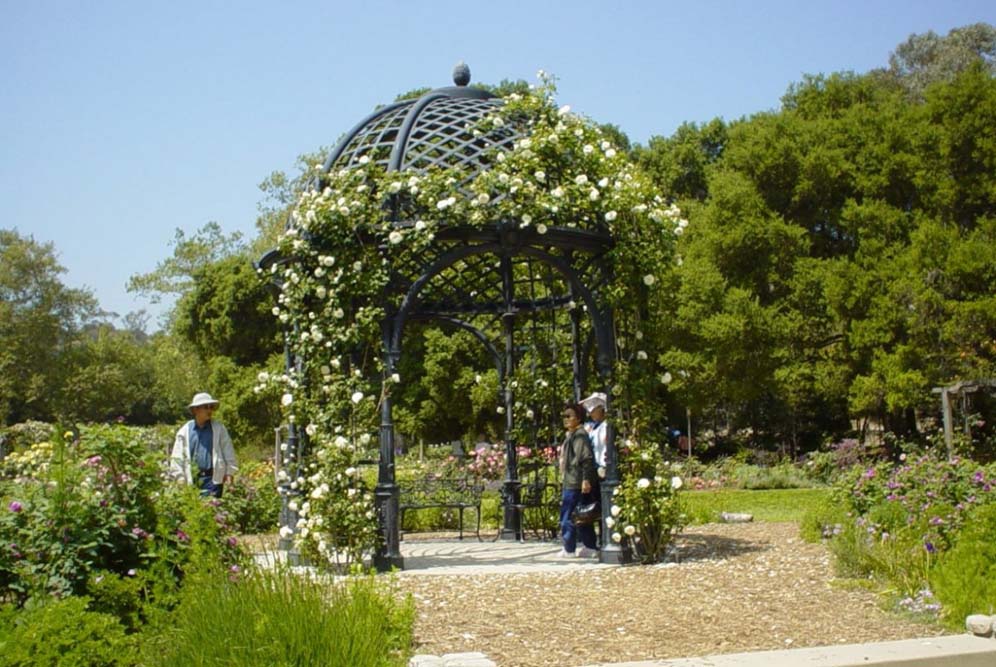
491 281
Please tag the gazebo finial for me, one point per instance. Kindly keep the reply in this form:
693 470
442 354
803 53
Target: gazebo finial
461 74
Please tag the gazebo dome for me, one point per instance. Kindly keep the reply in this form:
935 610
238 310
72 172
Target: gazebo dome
435 129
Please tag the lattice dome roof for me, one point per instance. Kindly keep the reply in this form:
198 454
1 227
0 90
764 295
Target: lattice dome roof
433 130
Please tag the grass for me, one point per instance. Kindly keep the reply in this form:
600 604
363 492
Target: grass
766 505
275 618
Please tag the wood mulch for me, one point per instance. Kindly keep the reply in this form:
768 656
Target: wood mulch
734 588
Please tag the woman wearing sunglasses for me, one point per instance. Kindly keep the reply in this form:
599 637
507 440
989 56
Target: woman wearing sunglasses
577 472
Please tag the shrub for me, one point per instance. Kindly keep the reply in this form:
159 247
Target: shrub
21 436
63 633
252 500
99 507
646 508
964 579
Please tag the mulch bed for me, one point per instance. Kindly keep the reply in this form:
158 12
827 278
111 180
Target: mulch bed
733 588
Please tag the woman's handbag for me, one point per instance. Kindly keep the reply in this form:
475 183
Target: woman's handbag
587 514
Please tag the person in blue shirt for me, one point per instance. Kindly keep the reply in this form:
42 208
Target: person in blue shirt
202 451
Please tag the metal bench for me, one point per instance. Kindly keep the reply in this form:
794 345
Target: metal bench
539 500
459 494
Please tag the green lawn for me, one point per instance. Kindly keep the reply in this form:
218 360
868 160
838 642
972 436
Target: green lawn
766 505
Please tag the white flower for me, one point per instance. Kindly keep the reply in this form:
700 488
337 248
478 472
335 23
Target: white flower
666 378
682 223
676 482
357 266
580 179
419 225
630 530
501 409
483 198
395 237
593 194
557 192
445 203
616 537
286 531
365 159
292 506
526 218
338 313
642 483
321 292
498 121
610 216
356 397
678 231
564 110
541 228
477 378
311 430
611 153
286 400
394 187
529 414
615 510
263 376
587 149
395 377
649 279
540 176
365 439
609 521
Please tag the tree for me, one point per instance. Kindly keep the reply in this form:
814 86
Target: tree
39 319
175 275
928 58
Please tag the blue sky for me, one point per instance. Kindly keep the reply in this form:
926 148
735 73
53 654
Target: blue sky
122 121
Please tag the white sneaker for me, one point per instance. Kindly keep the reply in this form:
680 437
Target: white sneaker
585 552
566 554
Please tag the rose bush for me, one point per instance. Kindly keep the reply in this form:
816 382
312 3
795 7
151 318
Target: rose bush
76 510
646 507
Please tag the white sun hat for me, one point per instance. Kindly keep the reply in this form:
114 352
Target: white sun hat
203 398
596 400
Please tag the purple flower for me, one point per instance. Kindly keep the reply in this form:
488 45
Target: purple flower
929 546
15 507
234 569
232 541
182 536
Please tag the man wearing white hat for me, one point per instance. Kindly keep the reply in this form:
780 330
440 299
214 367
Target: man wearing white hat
203 448
597 428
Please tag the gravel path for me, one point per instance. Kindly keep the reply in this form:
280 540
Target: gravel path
737 587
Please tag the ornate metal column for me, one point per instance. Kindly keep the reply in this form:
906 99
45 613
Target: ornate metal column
611 552
511 520
388 554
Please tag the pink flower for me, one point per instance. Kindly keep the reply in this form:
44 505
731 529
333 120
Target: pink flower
15 507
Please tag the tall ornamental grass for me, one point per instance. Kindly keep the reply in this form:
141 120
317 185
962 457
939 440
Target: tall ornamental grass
276 617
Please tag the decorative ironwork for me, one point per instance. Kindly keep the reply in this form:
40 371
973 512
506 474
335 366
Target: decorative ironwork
494 282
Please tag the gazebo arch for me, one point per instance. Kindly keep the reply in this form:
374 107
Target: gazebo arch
489 279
